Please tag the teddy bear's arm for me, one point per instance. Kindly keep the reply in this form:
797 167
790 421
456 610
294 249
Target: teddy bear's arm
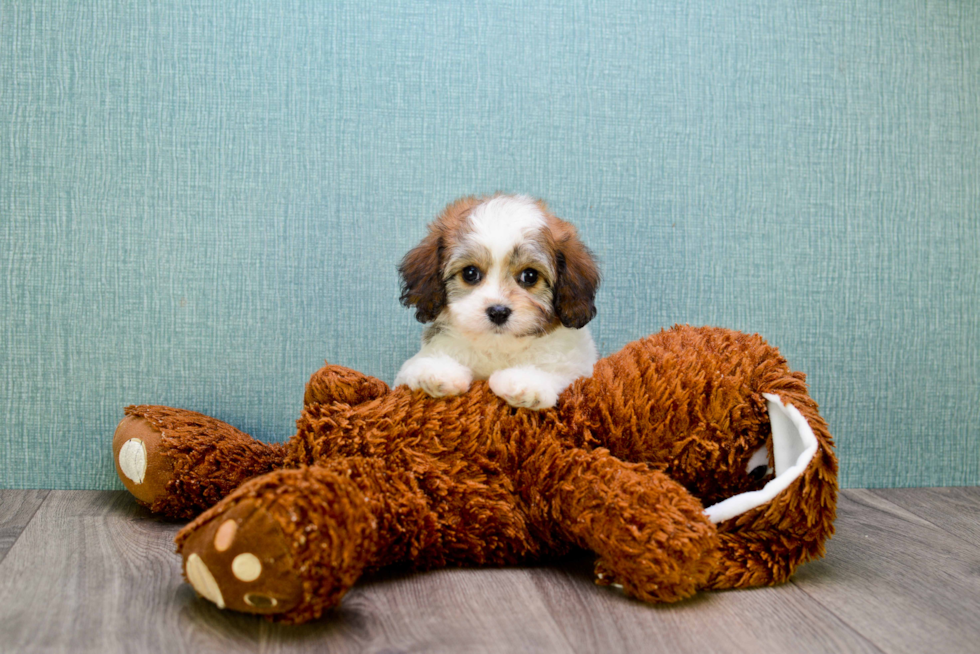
333 383
651 536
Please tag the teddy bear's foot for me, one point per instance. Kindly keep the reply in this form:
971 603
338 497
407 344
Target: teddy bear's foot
288 544
141 466
241 560
179 463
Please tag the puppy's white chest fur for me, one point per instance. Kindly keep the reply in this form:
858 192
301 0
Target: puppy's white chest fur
529 372
571 351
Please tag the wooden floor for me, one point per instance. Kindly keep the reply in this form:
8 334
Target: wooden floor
86 571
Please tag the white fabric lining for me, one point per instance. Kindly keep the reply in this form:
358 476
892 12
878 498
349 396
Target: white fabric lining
794 445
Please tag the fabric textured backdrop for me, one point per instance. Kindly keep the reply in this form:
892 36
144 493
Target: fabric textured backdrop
201 201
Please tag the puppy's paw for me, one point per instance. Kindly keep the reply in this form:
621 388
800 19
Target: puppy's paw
525 387
437 376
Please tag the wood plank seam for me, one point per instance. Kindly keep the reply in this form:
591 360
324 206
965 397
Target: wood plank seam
4 552
924 518
844 621
882 505
832 611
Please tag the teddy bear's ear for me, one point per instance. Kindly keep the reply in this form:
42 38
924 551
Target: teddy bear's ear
339 384
793 447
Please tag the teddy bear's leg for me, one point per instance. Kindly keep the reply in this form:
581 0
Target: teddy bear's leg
651 536
179 463
338 384
292 542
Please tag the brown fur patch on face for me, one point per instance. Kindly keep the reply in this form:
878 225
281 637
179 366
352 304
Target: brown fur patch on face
467 253
536 303
538 298
576 272
422 268
537 256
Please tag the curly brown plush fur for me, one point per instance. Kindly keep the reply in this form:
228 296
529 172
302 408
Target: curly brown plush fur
622 466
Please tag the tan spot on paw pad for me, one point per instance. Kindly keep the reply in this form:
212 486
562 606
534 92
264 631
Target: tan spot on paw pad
246 567
203 581
225 535
260 601
132 460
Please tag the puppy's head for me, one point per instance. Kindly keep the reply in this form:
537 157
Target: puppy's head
501 265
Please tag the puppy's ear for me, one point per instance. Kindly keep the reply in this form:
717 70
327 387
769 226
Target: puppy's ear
421 269
421 273
576 280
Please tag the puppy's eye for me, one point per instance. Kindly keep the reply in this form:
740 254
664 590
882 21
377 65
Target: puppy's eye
471 275
528 277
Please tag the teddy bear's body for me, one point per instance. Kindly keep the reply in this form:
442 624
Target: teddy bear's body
623 466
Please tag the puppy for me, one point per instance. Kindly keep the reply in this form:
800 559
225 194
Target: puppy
507 289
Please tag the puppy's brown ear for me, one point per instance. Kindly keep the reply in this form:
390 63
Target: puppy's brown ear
421 269
421 273
576 280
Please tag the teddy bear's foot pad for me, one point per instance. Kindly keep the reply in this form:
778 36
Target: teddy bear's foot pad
136 450
241 560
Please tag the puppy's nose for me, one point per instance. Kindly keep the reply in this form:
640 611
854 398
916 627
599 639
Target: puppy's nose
498 314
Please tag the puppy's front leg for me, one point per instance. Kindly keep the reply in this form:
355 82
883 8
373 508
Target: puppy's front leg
436 374
529 387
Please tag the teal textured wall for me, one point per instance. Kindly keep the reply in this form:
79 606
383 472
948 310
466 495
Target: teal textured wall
202 201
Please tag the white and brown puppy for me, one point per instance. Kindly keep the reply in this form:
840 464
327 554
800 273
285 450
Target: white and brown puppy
508 289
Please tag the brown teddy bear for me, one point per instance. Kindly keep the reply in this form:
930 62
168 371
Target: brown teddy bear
625 466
